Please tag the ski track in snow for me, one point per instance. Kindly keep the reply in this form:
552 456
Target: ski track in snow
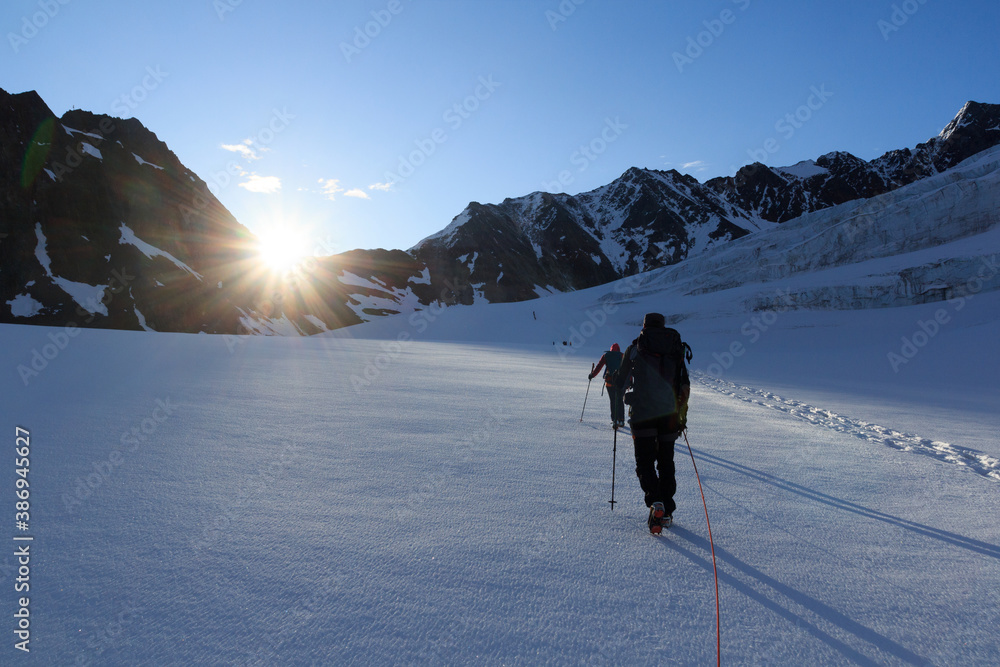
978 462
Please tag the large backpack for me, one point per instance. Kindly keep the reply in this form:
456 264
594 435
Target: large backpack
612 362
656 375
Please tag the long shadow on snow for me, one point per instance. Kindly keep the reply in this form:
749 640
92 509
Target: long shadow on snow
822 609
984 548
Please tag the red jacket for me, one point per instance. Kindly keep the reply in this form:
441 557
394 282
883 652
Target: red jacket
613 364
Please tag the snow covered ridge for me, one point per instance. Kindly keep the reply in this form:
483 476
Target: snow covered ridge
648 219
933 240
642 221
804 169
448 232
187 263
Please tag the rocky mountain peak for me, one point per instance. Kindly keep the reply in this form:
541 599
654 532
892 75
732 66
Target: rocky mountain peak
975 126
28 104
104 226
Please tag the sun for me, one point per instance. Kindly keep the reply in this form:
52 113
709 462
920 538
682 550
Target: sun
281 249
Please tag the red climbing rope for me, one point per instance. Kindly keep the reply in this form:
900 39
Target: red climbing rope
715 569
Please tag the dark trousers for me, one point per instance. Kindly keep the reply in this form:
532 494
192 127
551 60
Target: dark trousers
617 405
654 461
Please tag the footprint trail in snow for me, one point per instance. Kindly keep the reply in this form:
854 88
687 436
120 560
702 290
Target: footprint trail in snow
977 461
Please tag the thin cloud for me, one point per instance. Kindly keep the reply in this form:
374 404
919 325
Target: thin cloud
244 148
262 184
694 165
697 165
331 187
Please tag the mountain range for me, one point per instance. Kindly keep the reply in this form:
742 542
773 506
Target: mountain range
102 226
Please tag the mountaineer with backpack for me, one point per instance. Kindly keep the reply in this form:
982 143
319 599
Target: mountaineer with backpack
611 361
655 377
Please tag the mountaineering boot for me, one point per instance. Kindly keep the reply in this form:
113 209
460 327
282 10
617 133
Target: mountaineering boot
656 513
667 521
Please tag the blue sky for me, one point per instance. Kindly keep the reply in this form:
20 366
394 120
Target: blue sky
459 101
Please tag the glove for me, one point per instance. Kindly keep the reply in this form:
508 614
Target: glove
682 414
590 376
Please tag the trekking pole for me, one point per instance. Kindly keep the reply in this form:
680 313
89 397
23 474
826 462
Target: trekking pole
614 461
587 394
715 569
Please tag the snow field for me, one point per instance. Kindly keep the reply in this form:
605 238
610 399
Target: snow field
454 511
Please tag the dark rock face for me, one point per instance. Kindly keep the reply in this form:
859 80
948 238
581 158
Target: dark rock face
106 228
102 226
491 256
779 194
527 246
